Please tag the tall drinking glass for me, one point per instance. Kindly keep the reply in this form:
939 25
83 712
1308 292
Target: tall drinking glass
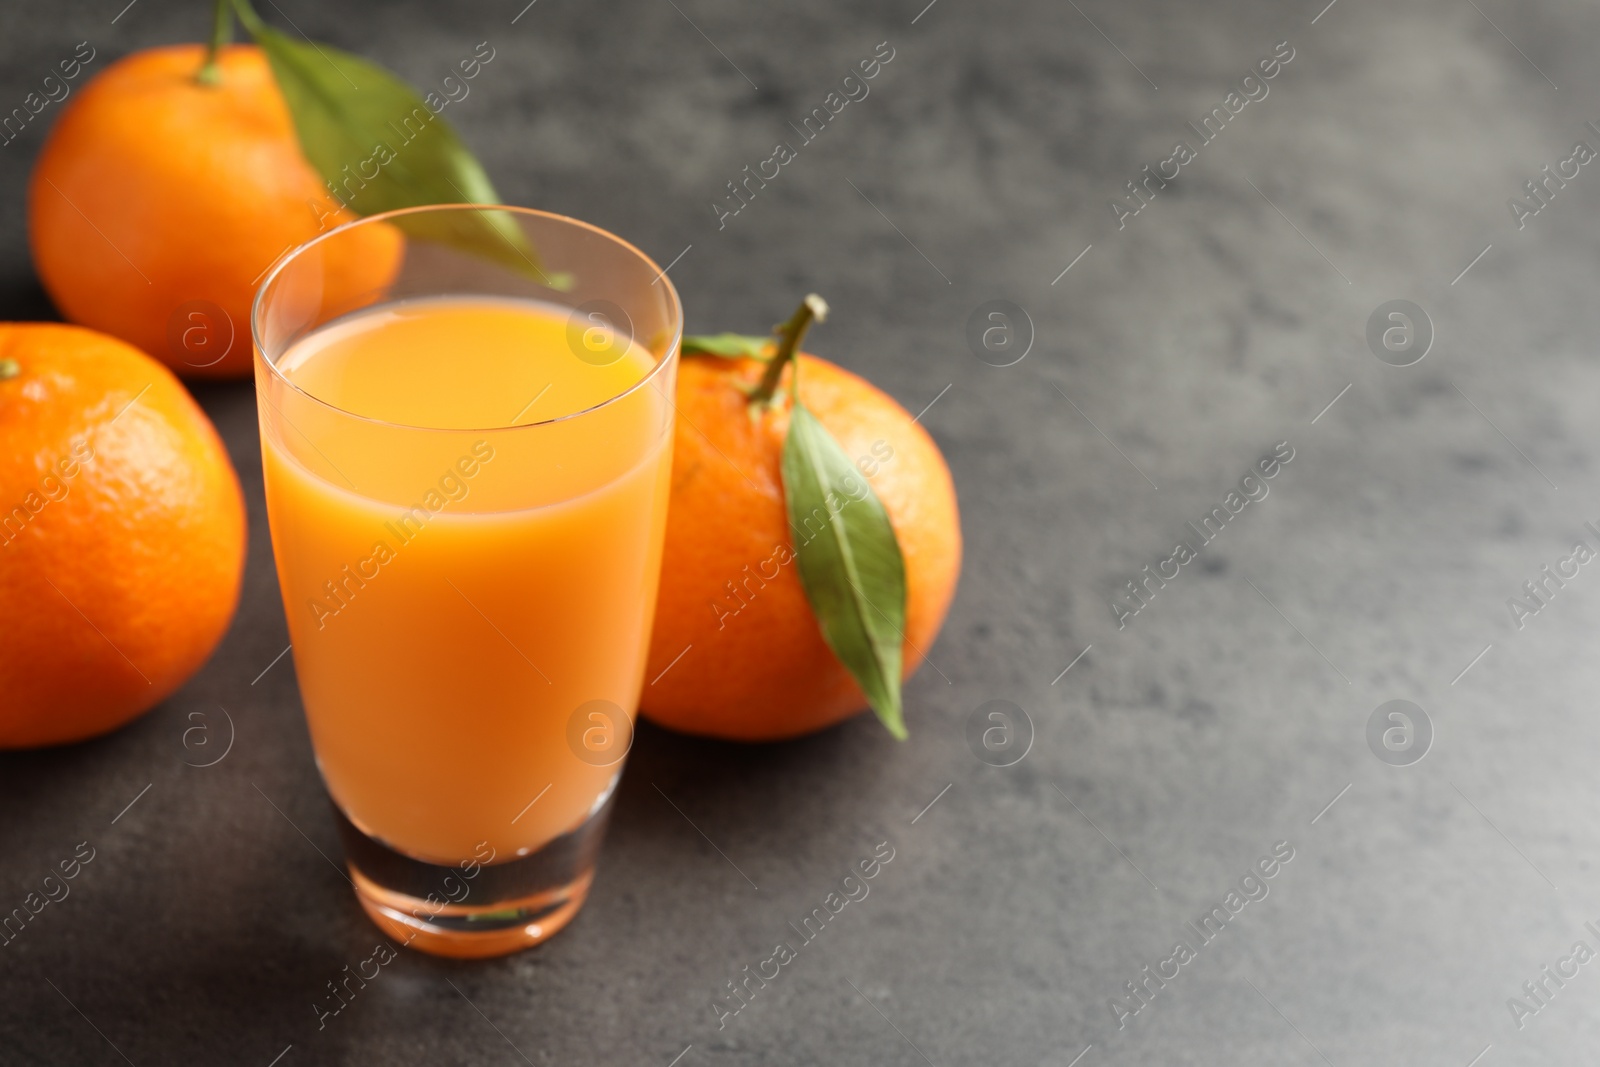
466 477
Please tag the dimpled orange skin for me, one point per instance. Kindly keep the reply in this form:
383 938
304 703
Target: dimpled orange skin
766 673
121 571
154 191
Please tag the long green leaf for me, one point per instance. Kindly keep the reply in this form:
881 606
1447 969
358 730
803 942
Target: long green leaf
849 560
381 147
729 345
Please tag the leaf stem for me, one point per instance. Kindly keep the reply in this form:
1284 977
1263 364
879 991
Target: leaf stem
812 308
221 34
247 16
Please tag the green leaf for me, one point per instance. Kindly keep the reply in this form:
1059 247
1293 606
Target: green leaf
381 147
729 346
849 561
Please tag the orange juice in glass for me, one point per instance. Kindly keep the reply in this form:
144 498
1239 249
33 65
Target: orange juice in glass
467 476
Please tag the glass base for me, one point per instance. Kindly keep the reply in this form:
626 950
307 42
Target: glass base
473 910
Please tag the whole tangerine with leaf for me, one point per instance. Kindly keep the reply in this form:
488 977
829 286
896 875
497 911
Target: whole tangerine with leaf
122 534
177 176
812 549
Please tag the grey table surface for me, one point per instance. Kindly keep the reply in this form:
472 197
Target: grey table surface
1229 715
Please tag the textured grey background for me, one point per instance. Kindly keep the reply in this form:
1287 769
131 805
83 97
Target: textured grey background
1195 338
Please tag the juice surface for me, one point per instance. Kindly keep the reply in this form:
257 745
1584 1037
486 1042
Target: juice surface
459 364
456 595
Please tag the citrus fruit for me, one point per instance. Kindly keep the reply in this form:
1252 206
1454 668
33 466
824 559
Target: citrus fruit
158 202
122 534
736 651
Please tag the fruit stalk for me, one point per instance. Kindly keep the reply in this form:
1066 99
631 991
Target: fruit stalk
221 34
812 308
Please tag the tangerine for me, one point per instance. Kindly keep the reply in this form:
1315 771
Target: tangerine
159 201
122 534
736 652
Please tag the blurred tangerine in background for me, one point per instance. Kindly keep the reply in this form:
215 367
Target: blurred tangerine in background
159 201
122 534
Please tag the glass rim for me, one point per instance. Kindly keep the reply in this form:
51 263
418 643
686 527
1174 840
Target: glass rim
288 257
